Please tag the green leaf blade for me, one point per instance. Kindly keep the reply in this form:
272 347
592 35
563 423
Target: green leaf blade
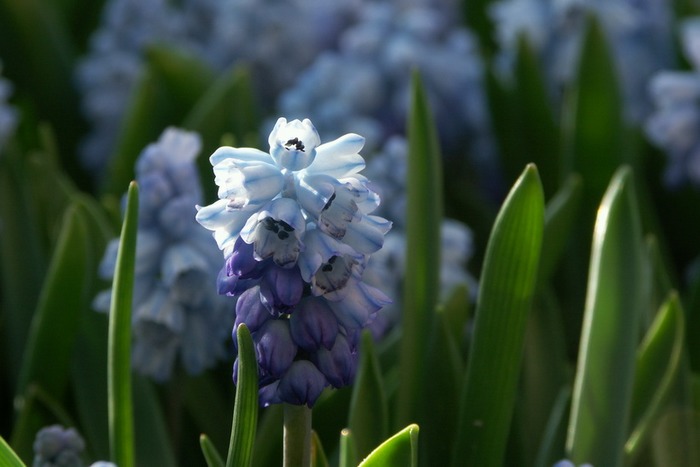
8 457
507 286
211 455
424 218
658 363
245 410
614 302
120 399
368 419
401 450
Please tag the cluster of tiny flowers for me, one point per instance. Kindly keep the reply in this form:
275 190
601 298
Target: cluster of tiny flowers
8 115
296 229
218 32
388 172
55 446
176 308
365 84
277 38
674 124
108 75
638 33
568 463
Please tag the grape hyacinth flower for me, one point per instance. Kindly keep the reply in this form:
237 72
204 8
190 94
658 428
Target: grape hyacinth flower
296 229
176 308
568 463
365 84
638 34
674 124
55 446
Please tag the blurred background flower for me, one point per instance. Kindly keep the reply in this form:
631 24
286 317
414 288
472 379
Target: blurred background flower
176 309
639 35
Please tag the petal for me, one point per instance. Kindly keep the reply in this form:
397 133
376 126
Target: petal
314 192
276 232
281 288
318 249
359 305
275 348
313 324
293 145
339 158
250 311
178 259
239 154
245 183
339 363
215 215
302 384
160 308
367 236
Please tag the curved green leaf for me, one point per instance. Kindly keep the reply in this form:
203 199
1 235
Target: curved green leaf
658 363
423 221
401 450
54 327
211 455
245 409
318 455
120 400
614 302
369 418
507 286
560 217
63 296
8 457
442 388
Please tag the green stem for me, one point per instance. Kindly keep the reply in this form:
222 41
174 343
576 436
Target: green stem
297 436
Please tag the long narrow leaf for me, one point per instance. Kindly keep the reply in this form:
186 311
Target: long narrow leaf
8 457
318 455
245 410
614 302
658 363
507 286
401 450
443 384
424 217
211 455
52 335
368 420
120 399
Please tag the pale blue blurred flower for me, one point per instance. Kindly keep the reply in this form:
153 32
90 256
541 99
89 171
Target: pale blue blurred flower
275 40
296 229
55 446
638 31
8 114
675 123
108 74
177 310
568 463
365 84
